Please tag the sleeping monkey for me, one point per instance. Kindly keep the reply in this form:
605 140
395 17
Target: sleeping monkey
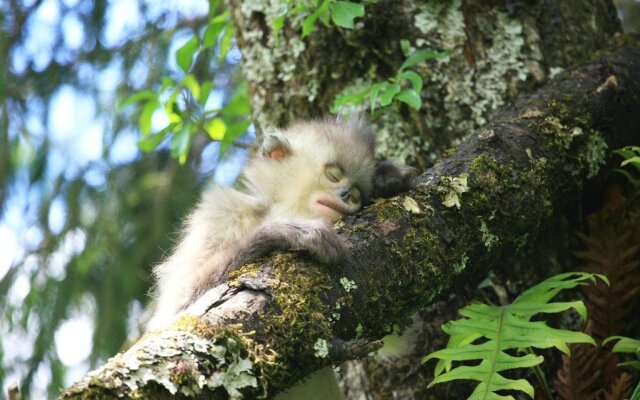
302 180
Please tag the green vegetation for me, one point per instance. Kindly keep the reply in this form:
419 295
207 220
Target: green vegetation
405 86
631 156
341 13
184 101
83 214
502 329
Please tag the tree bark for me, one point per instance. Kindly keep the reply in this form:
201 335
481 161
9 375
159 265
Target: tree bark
496 50
277 321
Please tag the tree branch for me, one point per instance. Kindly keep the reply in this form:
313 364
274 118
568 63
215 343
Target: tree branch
277 321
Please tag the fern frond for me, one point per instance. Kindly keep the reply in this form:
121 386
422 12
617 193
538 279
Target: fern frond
611 248
579 375
508 328
636 393
625 345
620 389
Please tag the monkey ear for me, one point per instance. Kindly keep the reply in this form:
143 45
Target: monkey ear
390 178
275 147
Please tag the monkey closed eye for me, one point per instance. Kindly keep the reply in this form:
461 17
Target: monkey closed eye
333 172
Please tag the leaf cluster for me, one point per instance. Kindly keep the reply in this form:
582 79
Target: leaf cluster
405 86
629 346
631 158
184 101
610 248
340 13
626 345
490 334
89 227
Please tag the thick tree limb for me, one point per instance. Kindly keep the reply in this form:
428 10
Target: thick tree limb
279 320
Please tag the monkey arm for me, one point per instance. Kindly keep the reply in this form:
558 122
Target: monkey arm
390 178
314 236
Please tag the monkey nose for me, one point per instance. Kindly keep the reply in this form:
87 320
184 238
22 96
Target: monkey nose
344 194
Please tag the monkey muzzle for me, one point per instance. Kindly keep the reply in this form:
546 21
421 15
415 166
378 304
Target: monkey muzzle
332 208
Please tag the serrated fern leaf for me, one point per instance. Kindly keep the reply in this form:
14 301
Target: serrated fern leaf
547 289
507 328
625 345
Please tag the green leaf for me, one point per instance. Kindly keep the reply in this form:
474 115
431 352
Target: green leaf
277 25
216 25
238 106
631 160
216 128
325 12
171 109
421 55
350 98
225 42
636 393
167 83
454 341
375 91
527 310
632 180
411 97
405 46
37 164
413 77
624 344
628 151
180 143
631 156
184 55
191 83
237 128
633 364
344 12
150 142
487 388
389 92
213 7
309 22
137 97
233 131
507 328
144 122
205 90
546 290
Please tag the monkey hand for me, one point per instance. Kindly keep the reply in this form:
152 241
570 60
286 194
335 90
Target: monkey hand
314 236
390 178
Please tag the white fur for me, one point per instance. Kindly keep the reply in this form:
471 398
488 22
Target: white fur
275 190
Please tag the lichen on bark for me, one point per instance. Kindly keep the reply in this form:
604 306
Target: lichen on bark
496 51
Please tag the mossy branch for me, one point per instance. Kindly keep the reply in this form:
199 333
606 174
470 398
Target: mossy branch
281 319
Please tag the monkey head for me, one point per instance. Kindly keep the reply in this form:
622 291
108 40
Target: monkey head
315 169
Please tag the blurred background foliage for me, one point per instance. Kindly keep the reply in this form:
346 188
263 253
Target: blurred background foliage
83 213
